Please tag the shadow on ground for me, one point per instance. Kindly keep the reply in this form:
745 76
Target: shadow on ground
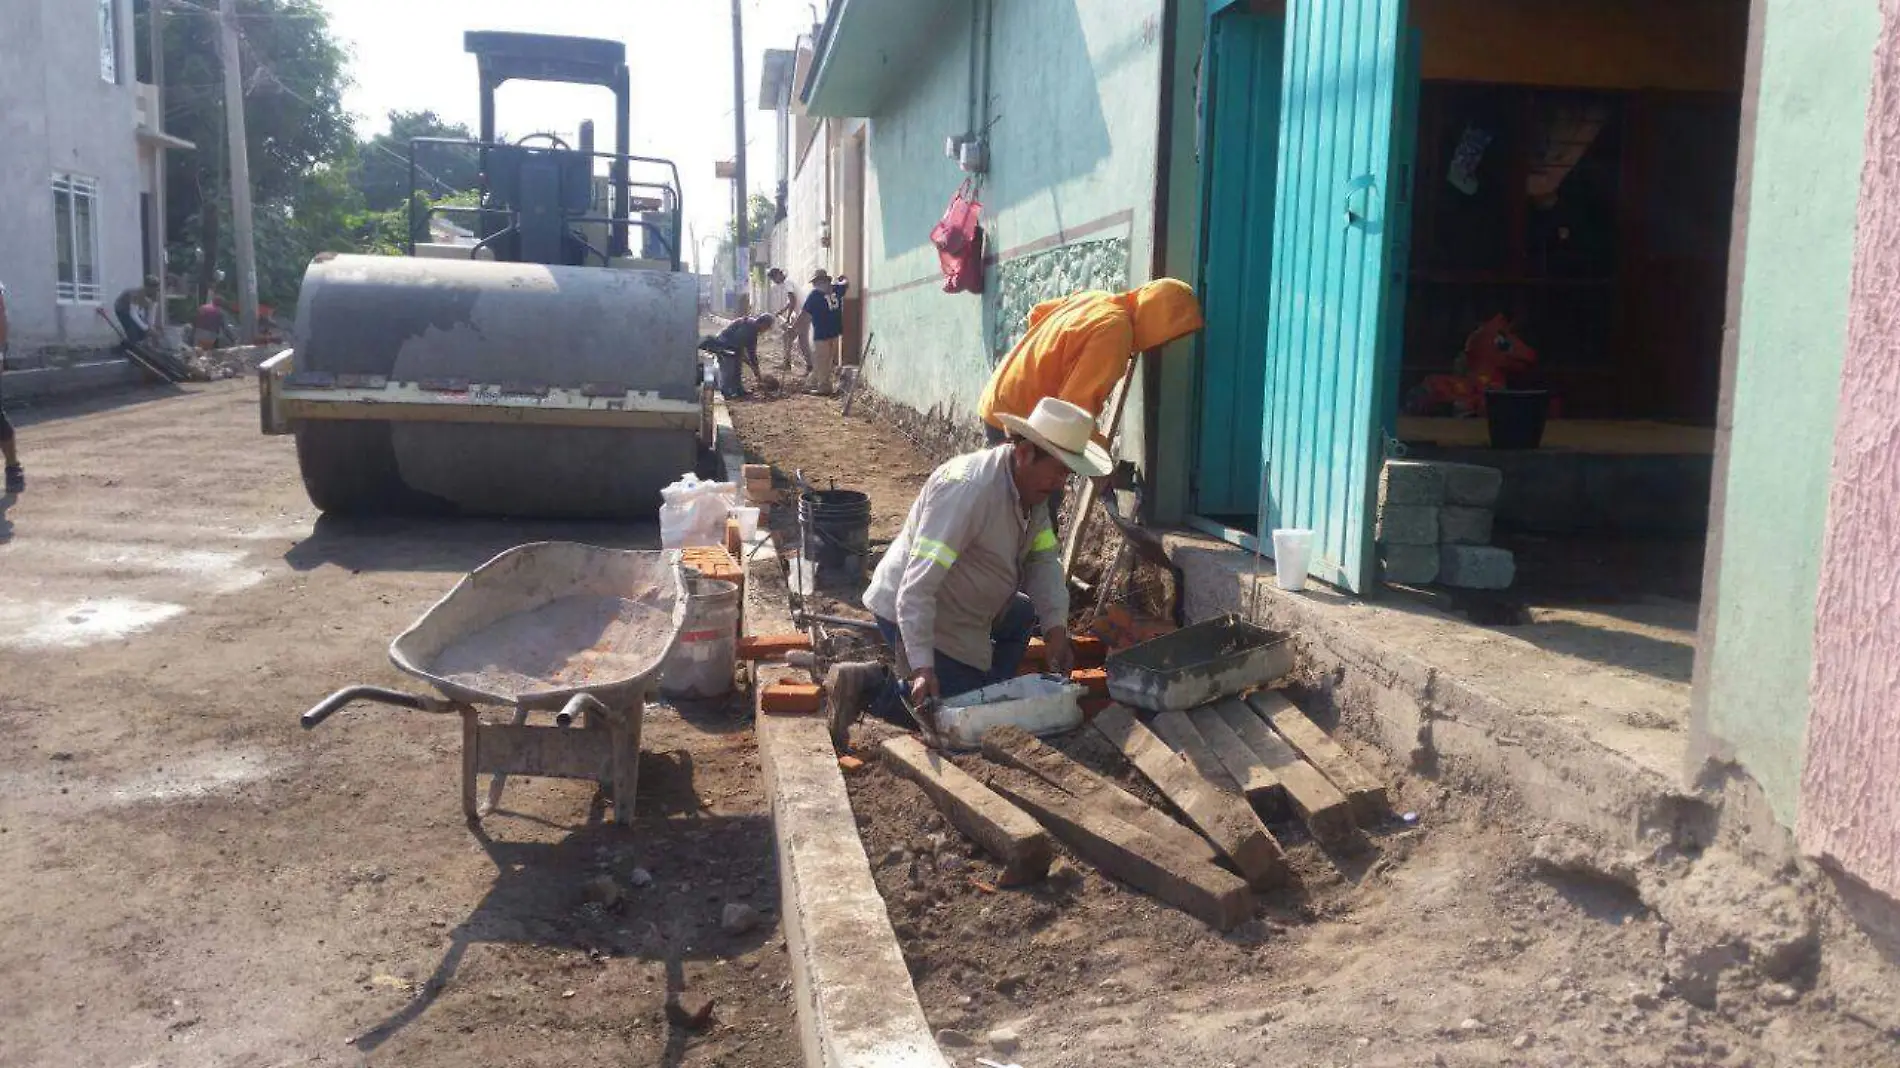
402 544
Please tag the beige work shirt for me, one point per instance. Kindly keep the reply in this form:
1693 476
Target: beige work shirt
967 547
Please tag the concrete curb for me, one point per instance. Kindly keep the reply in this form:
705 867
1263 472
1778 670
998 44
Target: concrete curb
1596 777
856 1005
92 377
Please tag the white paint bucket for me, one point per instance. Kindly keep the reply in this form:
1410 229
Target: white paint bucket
1292 556
748 518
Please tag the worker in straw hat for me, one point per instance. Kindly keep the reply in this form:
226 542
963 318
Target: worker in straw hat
975 568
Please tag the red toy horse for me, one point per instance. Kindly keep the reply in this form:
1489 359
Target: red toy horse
1492 353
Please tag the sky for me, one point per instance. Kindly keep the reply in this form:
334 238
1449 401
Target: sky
407 55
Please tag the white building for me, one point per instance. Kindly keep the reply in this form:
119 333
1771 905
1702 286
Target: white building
81 168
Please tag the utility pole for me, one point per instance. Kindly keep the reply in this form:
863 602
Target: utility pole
240 174
740 238
155 226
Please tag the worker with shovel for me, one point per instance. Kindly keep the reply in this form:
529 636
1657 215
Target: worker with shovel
134 311
976 566
1077 347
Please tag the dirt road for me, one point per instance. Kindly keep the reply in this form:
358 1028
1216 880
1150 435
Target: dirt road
192 880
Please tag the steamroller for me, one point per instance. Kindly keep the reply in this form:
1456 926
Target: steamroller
534 353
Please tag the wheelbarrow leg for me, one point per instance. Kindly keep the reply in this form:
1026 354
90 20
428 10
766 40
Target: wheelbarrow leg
626 762
471 732
500 779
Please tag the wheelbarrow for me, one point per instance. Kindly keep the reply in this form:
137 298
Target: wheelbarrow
573 632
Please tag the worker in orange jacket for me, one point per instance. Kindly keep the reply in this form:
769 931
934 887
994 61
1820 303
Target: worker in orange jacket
1080 345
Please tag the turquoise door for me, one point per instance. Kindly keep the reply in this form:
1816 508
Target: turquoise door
1238 172
1336 243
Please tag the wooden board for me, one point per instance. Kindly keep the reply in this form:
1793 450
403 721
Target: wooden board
1018 749
1178 731
1212 895
1318 803
1226 820
1256 777
1003 830
1363 790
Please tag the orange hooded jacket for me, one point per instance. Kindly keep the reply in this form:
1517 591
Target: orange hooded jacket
1080 345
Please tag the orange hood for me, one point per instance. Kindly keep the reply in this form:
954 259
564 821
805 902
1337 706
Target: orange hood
1160 312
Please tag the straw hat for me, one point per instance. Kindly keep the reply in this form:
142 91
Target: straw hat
1064 431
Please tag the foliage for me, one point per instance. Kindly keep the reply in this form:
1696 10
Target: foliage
760 211
382 169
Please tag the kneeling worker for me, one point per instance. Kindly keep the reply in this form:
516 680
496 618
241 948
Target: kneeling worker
975 567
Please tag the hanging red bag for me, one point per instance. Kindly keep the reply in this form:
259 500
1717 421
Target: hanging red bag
959 242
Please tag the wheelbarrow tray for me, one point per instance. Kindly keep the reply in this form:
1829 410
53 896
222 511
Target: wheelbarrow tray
546 621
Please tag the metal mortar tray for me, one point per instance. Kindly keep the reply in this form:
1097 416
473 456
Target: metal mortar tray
1203 662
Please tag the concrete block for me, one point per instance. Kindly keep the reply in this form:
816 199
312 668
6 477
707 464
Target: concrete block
1476 567
1472 485
1409 565
1460 525
1411 482
1407 524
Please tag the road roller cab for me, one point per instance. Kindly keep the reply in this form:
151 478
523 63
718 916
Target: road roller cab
527 357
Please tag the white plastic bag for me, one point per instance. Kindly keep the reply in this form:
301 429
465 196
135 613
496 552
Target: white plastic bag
693 512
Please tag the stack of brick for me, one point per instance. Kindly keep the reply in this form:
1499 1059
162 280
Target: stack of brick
1435 523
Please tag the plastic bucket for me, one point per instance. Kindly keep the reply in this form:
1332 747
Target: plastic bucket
702 661
1292 556
838 523
748 518
1516 417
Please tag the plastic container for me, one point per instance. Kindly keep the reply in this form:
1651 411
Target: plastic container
1292 558
702 661
1516 417
748 518
1039 704
839 522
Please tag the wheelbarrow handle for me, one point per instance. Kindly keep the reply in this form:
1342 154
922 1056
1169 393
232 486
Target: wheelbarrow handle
327 707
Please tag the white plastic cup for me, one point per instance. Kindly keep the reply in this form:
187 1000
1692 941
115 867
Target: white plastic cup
748 518
1292 556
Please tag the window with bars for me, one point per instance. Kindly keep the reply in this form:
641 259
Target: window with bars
75 222
109 41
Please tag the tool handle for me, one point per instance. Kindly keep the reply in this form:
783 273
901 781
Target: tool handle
330 705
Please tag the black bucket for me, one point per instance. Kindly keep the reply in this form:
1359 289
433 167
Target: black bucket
838 522
1516 417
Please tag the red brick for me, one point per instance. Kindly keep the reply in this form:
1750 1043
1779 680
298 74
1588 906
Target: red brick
790 699
771 646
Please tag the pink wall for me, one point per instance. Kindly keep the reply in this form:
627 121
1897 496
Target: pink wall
1850 788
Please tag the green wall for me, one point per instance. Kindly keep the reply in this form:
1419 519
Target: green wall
1752 696
1075 89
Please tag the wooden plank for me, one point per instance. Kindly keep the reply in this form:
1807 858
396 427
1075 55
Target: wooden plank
1257 780
1018 749
1225 819
1212 895
1003 830
1178 731
1318 803
550 752
1363 790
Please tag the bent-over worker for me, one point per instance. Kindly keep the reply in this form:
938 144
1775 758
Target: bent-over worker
1077 347
976 566
738 341
134 310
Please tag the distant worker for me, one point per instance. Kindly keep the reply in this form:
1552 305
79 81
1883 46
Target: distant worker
975 567
16 475
739 341
822 315
209 325
781 299
134 310
1079 346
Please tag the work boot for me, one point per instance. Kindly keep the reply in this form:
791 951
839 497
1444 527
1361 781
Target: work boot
849 690
16 479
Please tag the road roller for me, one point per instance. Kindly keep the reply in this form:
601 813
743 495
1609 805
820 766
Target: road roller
526 357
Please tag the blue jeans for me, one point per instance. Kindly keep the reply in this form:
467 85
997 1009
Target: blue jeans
1009 639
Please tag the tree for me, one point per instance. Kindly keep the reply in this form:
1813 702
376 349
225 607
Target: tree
382 171
301 143
760 211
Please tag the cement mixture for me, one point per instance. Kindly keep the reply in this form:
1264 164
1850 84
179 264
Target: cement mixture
572 641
